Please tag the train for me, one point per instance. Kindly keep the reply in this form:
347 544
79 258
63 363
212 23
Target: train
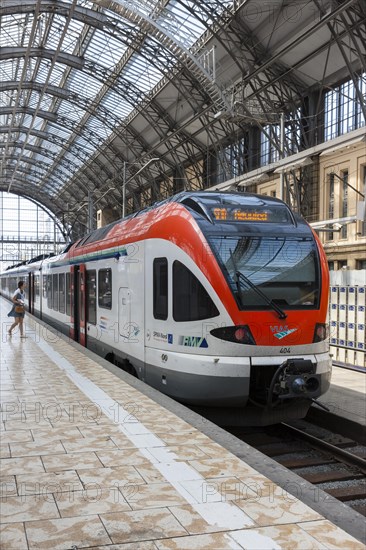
217 299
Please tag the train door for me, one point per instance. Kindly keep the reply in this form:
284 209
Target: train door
124 313
31 292
78 304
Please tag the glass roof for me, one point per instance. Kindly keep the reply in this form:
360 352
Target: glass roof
89 71
83 82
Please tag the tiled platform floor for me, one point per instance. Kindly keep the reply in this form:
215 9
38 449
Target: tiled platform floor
87 461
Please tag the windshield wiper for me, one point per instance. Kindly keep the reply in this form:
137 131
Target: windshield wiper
239 275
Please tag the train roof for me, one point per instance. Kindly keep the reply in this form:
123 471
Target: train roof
200 204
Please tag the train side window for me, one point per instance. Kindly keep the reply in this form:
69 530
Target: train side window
49 291
91 296
105 288
44 286
36 286
68 294
191 301
55 291
61 290
160 288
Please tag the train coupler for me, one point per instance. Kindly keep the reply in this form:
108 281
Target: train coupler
294 378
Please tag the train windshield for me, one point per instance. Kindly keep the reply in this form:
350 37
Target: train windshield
264 271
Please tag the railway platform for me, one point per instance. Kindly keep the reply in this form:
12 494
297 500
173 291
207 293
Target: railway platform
346 404
93 458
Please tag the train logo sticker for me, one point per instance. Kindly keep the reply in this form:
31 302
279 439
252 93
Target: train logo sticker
281 332
193 341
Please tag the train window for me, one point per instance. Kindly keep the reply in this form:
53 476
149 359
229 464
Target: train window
61 290
160 288
263 269
55 292
105 288
80 290
91 297
191 301
68 294
44 286
36 286
49 291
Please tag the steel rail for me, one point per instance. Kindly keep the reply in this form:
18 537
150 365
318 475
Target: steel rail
341 454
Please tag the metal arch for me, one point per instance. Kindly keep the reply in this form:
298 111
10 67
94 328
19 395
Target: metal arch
30 176
62 57
56 139
44 202
99 113
51 90
29 160
165 65
237 37
270 61
164 36
334 33
72 60
48 116
275 84
41 151
53 62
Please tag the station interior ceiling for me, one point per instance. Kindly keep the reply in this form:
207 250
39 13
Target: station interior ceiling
113 105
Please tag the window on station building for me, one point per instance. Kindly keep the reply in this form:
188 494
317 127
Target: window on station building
342 264
160 288
105 288
330 208
342 108
360 264
331 266
232 161
91 297
191 301
344 201
270 144
271 138
363 191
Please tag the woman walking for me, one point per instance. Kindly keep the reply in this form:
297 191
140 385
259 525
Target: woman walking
18 310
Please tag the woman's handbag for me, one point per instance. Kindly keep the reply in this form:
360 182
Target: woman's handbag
19 309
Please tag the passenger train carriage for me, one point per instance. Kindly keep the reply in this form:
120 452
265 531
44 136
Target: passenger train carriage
216 299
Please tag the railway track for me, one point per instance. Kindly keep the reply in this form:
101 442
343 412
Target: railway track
331 462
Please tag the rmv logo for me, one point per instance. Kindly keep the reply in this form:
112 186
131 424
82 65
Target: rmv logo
195 342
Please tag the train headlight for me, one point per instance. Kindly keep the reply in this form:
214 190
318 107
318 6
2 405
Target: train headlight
239 334
320 332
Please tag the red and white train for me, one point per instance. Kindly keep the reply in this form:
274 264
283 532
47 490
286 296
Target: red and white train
217 299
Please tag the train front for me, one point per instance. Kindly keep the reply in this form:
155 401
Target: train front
276 271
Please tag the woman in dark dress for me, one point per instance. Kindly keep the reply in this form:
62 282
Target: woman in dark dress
18 305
